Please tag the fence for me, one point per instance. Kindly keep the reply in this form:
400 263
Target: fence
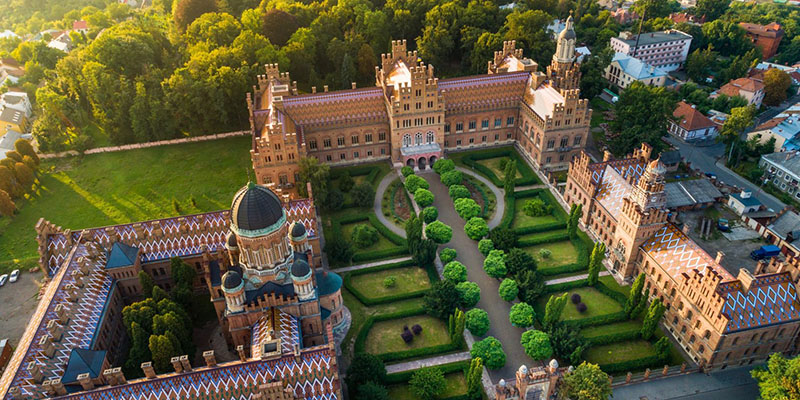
649 375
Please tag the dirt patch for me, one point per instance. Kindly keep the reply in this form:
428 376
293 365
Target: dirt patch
401 207
18 300
475 193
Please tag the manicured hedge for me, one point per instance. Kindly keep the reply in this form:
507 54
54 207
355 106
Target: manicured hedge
548 198
383 230
361 338
562 287
584 246
618 316
508 215
613 338
386 299
653 361
549 237
528 176
405 376
370 170
602 288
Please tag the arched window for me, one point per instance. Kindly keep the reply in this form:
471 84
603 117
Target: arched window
429 138
418 139
406 140
707 334
701 349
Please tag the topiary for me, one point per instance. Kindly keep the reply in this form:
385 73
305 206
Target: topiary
508 289
581 308
459 192
455 272
443 165
417 329
477 321
576 298
490 350
476 228
439 232
447 254
521 315
364 235
544 253
485 246
451 178
346 182
389 281
407 336
469 293
429 214
423 197
467 208
414 182
406 171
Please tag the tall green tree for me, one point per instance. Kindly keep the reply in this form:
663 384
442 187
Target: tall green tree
186 11
474 379
780 379
654 314
635 296
596 262
364 368
509 176
711 9
552 311
278 26
318 174
699 62
642 116
428 383
776 85
147 283
586 382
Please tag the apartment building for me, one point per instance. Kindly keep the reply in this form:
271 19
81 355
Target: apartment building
667 50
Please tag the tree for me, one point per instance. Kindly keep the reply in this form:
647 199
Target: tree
414 182
467 208
439 232
427 383
7 206
423 252
536 208
186 11
162 350
711 9
521 315
654 314
495 265
596 262
413 230
780 379
406 171
508 289
727 37
477 321
530 285
469 293
503 238
518 260
9 183
372 391
698 63
455 272
443 165
363 195
635 296
552 311
741 118
451 178
586 382
14 155
509 176
490 350
318 174
442 299
278 26
364 368
24 175
476 228
459 192
429 214
147 283
25 148
474 376
537 345
574 217
447 255
423 197
334 200
642 115
567 343
653 8
455 326
213 30
364 235
346 182
663 347
485 246
339 251
776 84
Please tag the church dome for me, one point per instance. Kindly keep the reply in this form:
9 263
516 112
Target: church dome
298 230
230 240
232 280
255 208
657 167
300 268
568 32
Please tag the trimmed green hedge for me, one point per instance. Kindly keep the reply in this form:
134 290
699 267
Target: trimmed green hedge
618 316
370 170
653 361
562 287
528 176
548 198
405 376
543 238
508 215
619 297
386 299
386 232
613 338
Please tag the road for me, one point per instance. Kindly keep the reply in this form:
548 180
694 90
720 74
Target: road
773 111
729 384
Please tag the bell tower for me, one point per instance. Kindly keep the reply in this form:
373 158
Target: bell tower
563 71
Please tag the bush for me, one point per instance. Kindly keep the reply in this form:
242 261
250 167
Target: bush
428 383
490 350
363 195
581 308
544 253
537 345
364 368
443 165
417 329
485 246
459 192
406 171
407 336
429 214
455 272
536 208
339 251
423 197
508 289
414 182
439 232
447 254
495 265
521 315
477 321
467 208
503 238
334 200
576 298
451 178
346 182
389 281
476 228
364 235
518 260
469 294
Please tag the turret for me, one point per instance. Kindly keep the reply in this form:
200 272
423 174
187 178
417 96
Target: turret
302 280
233 286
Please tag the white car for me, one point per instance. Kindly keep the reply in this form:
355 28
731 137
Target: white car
14 276
3 279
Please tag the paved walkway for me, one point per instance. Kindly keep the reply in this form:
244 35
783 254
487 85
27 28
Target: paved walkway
574 278
529 187
376 205
490 301
500 208
729 384
427 362
372 264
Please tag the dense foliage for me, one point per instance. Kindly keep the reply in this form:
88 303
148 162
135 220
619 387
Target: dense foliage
476 228
439 232
490 350
536 345
455 272
508 289
477 321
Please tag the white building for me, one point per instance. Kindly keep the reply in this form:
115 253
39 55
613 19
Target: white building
783 170
624 70
691 124
16 101
743 203
667 50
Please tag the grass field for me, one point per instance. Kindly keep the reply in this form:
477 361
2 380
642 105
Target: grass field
494 165
408 280
563 252
596 303
128 186
607 329
522 220
360 313
456 386
612 284
618 352
384 337
382 244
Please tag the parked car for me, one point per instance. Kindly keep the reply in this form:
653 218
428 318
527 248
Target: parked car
765 252
722 225
14 276
710 175
3 279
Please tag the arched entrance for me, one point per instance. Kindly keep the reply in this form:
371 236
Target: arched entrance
617 265
421 163
432 160
410 162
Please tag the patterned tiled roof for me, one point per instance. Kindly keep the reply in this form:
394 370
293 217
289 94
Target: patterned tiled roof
677 253
343 106
771 299
285 326
470 92
611 192
625 167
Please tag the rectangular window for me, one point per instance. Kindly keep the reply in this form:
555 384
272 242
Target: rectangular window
381 136
340 141
342 156
458 142
471 140
508 135
368 138
355 154
459 127
483 138
447 128
354 139
383 151
564 142
548 160
369 153
446 143
496 136
561 158
510 121
576 141
326 143
472 125
550 144
328 158
498 122
485 124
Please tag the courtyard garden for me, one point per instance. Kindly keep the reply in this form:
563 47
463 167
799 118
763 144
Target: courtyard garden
455 386
491 163
395 203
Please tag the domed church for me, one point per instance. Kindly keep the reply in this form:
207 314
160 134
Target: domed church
268 284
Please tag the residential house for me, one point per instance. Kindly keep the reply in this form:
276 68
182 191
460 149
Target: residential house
7 142
783 170
785 131
80 27
7 34
61 41
682 17
766 37
581 53
625 69
624 16
667 49
671 159
751 89
691 124
10 71
16 101
784 232
743 203
717 117
12 120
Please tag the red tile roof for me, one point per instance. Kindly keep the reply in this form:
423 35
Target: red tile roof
80 25
733 87
691 119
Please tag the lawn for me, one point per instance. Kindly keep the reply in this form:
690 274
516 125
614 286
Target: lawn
456 386
617 327
596 302
598 107
522 220
407 280
360 313
612 284
494 165
562 253
382 244
618 352
384 337
122 187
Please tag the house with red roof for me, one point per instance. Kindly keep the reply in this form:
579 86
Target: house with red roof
690 124
751 89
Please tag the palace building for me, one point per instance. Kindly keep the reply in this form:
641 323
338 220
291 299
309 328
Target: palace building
719 319
259 263
411 117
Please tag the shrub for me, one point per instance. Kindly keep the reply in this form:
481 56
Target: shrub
407 336
406 171
443 165
521 315
339 251
417 329
346 182
485 246
459 192
469 294
334 200
477 321
428 383
503 238
503 163
490 350
537 345
536 208
518 260
364 368
389 281
455 272
476 228
414 182
423 197
581 308
447 254
508 289
363 195
576 298
441 300
495 265
544 253
364 235
467 208
439 232
451 178
429 214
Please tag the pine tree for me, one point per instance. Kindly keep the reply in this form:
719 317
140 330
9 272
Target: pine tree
596 263
456 325
574 217
7 206
642 304
654 314
552 311
509 177
635 296
474 379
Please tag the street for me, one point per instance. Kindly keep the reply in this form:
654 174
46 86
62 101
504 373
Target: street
729 384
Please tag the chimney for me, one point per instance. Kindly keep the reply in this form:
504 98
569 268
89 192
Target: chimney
746 278
240 350
55 330
211 361
35 371
352 85
176 363
109 376
85 381
149 371
325 88
46 343
187 367
685 228
56 387
745 194
761 266
313 89
77 278
719 257
62 313
606 156
119 376
72 293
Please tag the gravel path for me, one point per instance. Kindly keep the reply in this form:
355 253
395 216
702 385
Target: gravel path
428 362
376 205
